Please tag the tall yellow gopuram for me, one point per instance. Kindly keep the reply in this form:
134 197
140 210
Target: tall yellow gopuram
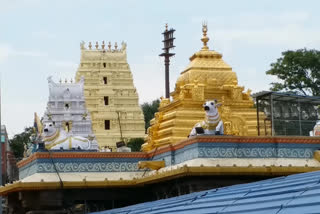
110 95
207 77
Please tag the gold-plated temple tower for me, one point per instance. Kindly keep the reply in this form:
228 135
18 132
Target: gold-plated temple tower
206 77
111 97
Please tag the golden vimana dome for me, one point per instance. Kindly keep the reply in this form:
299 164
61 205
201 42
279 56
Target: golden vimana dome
206 67
206 77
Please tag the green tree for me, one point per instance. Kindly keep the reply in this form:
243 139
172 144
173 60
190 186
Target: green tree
299 72
135 144
148 110
19 140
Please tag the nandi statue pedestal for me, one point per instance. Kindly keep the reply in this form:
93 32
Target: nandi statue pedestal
212 125
59 139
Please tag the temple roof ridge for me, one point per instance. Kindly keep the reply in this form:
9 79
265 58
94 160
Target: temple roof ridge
103 47
70 89
63 83
103 52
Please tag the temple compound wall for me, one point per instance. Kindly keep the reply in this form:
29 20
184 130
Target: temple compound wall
207 77
222 154
66 108
111 97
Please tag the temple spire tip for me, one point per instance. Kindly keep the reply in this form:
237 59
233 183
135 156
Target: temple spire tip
204 38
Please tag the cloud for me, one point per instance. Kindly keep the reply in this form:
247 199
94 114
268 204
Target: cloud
61 69
28 53
7 51
63 64
250 77
148 78
23 115
288 29
290 35
4 52
55 65
254 19
43 35
9 6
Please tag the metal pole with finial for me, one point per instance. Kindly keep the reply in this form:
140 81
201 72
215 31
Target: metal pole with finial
168 44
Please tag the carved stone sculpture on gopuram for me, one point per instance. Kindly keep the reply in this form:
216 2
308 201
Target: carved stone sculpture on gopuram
207 77
110 95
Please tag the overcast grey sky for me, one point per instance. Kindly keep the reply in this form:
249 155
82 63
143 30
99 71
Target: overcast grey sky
39 38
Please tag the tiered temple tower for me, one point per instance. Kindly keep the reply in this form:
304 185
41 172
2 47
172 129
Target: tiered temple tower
66 108
111 97
207 77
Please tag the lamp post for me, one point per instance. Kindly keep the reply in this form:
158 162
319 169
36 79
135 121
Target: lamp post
168 44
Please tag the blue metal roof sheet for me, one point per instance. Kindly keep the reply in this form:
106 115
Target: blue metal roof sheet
294 194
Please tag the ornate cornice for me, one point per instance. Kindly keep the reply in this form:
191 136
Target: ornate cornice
183 171
80 155
235 139
169 148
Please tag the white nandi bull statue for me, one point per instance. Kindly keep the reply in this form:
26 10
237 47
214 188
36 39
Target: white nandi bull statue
212 124
57 138
316 130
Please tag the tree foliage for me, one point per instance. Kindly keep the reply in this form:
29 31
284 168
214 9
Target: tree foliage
19 140
148 110
299 72
135 144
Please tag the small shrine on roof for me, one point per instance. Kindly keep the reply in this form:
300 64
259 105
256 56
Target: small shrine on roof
207 77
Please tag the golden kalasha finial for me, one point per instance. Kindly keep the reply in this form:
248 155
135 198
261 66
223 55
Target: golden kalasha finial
115 46
103 45
109 46
204 38
90 45
97 45
166 26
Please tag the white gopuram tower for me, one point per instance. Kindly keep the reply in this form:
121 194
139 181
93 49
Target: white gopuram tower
66 108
